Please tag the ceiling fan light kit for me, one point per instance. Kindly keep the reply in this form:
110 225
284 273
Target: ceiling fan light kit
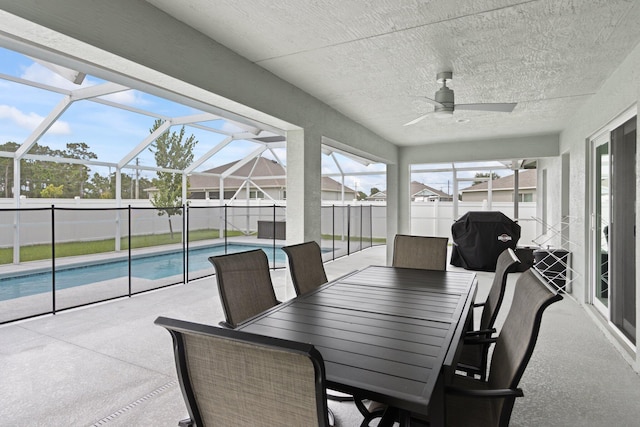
444 102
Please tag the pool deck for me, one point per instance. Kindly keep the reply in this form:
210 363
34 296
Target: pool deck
109 365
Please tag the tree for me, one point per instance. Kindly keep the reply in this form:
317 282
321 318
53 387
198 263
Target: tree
76 174
484 175
171 153
99 187
51 191
374 190
6 168
37 175
361 195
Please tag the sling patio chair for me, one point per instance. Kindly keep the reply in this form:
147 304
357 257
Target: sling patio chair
473 359
233 378
305 266
244 285
427 253
472 402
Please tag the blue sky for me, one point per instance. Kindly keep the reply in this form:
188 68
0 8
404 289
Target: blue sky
112 133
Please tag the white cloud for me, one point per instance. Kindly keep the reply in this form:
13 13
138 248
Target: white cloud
128 97
31 120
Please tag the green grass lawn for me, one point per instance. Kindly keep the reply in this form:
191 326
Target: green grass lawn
40 252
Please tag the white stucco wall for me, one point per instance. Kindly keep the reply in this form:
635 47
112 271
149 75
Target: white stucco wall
619 93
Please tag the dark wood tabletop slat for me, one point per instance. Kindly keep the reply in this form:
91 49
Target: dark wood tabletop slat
406 278
371 292
377 330
433 313
426 302
406 324
386 348
403 370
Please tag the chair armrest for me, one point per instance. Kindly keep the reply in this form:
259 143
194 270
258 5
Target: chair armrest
491 394
487 332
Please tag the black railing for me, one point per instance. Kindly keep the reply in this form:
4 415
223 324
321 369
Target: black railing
79 256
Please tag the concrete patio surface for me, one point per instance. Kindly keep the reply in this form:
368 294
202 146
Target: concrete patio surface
109 365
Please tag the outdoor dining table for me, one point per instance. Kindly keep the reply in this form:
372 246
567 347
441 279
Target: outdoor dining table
386 334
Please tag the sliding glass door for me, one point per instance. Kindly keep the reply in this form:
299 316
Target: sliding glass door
613 227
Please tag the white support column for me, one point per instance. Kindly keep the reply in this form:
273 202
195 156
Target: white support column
223 225
490 191
304 167
16 221
516 194
393 208
455 193
119 205
403 195
184 188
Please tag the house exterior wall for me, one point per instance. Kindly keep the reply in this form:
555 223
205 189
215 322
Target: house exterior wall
617 95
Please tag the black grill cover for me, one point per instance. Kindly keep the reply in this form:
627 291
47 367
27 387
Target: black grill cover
480 237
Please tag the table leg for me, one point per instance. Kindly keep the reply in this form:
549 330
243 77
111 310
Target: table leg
389 417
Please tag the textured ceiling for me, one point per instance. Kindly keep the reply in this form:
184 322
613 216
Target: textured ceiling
372 60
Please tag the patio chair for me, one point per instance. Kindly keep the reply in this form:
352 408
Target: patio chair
426 253
244 285
305 266
471 402
232 378
489 403
473 360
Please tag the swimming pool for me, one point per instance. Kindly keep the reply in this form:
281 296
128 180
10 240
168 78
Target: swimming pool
152 267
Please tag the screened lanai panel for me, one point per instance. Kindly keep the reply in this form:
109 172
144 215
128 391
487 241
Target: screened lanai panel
206 238
25 291
157 248
88 268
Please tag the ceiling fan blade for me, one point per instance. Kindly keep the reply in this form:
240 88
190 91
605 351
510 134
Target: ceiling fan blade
504 107
432 101
414 121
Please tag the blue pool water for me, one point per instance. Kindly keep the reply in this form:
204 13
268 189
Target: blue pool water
148 267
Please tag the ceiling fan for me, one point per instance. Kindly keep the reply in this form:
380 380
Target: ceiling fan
444 101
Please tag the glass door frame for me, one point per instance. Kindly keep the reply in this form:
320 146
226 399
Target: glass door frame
602 136
595 240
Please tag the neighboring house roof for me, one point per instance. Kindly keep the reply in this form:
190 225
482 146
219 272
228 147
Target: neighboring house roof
266 174
380 195
418 189
527 179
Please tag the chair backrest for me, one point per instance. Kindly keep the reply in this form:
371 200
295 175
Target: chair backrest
507 263
305 266
426 253
232 378
518 336
244 285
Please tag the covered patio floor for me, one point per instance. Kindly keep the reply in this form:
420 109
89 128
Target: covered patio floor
109 365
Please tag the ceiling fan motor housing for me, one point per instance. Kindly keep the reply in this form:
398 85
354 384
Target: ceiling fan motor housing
445 97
